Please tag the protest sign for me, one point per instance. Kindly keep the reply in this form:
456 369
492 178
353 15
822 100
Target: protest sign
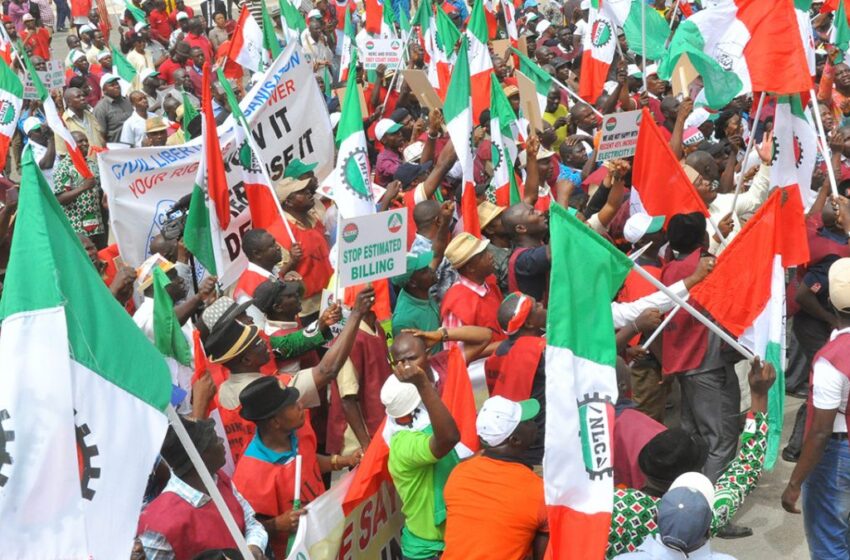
528 103
422 88
372 530
501 47
380 51
288 121
372 247
52 78
340 94
619 135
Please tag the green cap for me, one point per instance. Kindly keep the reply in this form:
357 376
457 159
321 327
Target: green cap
414 262
297 168
529 409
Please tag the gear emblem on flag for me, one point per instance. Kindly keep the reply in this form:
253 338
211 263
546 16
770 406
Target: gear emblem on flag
85 453
601 34
7 112
355 173
596 418
7 436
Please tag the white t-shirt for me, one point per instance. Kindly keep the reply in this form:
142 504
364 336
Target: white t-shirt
133 131
581 28
830 388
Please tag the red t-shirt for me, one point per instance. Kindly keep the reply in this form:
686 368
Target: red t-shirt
167 68
173 17
160 25
38 40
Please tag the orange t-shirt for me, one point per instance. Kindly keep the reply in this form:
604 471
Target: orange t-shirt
495 509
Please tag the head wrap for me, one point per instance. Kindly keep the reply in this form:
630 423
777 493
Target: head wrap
521 312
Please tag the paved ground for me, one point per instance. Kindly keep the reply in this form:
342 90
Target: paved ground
778 535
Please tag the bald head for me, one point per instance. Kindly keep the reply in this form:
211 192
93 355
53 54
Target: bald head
704 164
425 213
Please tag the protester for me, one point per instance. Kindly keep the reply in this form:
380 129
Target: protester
113 109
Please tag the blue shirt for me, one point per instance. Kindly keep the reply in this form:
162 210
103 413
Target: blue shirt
258 450
570 174
461 8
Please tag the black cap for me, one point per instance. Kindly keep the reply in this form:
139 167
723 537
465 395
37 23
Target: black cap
201 432
269 291
685 232
228 340
264 397
671 453
399 115
408 172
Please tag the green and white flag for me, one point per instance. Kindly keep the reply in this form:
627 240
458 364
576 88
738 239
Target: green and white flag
167 336
794 148
581 387
202 235
840 33
542 80
458 114
503 141
189 114
83 399
292 22
656 33
270 40
122 66
351 179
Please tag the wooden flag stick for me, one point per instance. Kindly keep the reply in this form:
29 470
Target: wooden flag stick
207 479
747 153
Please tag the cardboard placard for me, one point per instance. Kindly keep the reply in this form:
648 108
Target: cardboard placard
501 46
340 94
381 51
683 75
52 78
372 247
522 45
528 103
619 135
422 88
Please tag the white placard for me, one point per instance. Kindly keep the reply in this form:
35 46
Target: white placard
372 247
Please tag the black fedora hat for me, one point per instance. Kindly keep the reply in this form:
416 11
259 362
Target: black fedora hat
228 340
201 432
671 453
264 397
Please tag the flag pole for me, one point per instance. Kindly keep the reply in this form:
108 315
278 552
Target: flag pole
658 330
696 314
207 479
574 95
827 153
643 41
672 23
750 143
405 46
296 498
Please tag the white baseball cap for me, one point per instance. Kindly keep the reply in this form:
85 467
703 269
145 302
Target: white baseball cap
696 481
139 26
633 70
181 16
27 17
386 126
413 152
106 78
147 73
76 55
87 28
641 224
499 417
839 284
30 124
542 26
314 13
400 399
651 69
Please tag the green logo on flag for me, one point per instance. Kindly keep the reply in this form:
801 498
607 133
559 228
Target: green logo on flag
394 223
611 124
600 35
370 45
596 419
7 112
350 233
6 437
356 173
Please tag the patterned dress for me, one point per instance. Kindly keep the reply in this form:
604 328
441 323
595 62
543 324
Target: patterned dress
634 514
85 212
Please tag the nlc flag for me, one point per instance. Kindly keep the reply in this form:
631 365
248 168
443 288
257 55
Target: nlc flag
581 388
83 399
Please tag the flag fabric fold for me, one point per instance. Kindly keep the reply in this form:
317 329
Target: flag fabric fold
458 113
503 142
581 388
600 45
794 148
742 46
660 186
167 336
87 423
247 44
216 178
745 292
480 63
11 101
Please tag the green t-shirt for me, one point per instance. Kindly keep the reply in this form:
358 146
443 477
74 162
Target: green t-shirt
414 313
411 465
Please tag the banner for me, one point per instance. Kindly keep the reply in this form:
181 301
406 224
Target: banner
288 120
372 247
372 530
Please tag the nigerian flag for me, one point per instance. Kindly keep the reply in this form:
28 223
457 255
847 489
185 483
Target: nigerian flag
291 21
503 141
189 114
122 66
351 178
83 399
581 388
202 234
656 34
794 148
